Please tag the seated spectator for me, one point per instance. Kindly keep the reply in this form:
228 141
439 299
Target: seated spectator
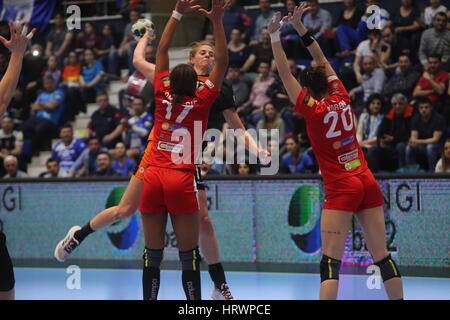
12 170
34 63
59 39
240 88
106 51
86 164
105 122
290 39
443 165
71 81
372 82
277 92
392 48
206 168
244 169
53 170
104 168
431 84
91 78
259 52
370 121
262 20
393 135
431 11
435 40
405 22
47 112
368 48
19 107
349 37
136 129
67 150
295 161
128 44
427 129
270 121
123 165
11 142
404 79
317 21
89 38
53 70
349 17
236 17
238 51
258 97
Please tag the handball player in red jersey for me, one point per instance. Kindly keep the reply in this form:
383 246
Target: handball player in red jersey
17 45
350 186
169 177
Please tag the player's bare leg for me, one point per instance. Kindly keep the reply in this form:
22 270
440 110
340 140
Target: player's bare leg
334 226
127 206
186 227
210 250
374 228
7 295
154 225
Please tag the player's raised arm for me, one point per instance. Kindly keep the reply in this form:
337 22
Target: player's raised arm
17 44
162 53
311 44
221 52
139 62
291 84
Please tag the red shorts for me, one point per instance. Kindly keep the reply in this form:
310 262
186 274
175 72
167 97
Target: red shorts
168 190
353 193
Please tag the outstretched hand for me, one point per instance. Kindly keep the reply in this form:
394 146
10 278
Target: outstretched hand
295 18
274 23
217 10
184 6
19 38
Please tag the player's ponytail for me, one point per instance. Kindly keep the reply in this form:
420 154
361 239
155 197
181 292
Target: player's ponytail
183 82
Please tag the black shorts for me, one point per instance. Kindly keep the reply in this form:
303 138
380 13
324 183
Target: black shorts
7 280
199 183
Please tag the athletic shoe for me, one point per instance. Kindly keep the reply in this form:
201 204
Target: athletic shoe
223 293
67 245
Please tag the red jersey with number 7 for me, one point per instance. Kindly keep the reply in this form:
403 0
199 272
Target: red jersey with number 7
179 128
331 129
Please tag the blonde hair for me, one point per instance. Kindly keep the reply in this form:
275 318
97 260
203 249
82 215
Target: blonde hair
196 45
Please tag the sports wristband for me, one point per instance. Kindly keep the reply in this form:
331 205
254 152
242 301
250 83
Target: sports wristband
307 39
275 36
176 15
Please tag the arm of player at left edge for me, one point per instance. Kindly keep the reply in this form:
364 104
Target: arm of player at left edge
139 62
17 44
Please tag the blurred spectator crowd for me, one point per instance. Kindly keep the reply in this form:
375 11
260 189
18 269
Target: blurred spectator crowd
396 75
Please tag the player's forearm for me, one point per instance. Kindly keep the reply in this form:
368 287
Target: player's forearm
313 48
281 60
220 43
235 123
9 82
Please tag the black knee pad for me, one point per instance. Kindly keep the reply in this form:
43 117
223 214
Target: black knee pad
329 268
388 268
190 260
7 280
152 258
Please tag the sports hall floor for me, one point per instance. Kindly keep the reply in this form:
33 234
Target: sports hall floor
116 284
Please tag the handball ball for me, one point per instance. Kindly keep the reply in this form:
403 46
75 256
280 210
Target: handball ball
140 26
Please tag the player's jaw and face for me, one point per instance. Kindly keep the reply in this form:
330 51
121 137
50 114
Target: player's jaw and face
203 59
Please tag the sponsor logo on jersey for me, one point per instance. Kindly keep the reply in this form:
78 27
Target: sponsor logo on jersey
352 164
170 137
171 127
166 81
346 157
308 100
209 84
171 147
343 142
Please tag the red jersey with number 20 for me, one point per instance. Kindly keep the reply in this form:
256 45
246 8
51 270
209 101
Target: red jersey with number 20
179 128
331 129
